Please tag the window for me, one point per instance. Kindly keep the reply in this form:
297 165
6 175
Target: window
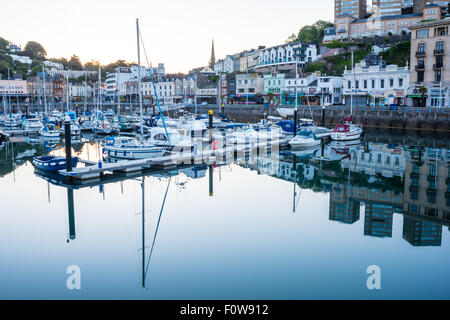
414 195
391 83
433 170
437 76
400 83
420 76
365 84
357 84
382 83
421 48
421 34
349 84
373 83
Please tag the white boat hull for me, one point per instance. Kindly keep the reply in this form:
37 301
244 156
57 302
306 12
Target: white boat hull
133 153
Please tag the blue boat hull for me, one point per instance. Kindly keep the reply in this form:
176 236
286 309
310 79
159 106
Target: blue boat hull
52 164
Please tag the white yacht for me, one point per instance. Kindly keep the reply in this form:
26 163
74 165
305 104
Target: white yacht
347 131
305 139
49 131
129 148
32 125
171 140
319 132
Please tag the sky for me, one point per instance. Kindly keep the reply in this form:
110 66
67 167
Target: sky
177 33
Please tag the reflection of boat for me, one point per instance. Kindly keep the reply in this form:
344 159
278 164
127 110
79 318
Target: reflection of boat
54 164
347 131
345 144
305 153
305 139
131 149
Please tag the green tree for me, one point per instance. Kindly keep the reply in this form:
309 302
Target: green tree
3 43
75 63
35 50
311 33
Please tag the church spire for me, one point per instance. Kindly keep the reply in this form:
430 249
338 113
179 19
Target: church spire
212 62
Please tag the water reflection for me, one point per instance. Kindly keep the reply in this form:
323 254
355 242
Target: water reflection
374 188
382 179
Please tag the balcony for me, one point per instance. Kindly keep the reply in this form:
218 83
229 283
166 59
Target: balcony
420 54
438 66
420 67
439 52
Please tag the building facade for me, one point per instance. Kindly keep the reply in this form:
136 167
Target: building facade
373 83
430 76
352 8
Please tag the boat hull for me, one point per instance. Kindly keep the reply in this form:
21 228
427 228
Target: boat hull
133 153
52 164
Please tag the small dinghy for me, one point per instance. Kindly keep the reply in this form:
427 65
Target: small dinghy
54 164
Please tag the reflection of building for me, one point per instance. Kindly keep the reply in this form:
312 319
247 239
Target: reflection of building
427 185
426 198
378 220
421 233
378 159
342 207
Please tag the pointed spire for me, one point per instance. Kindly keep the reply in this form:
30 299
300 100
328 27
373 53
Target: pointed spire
212 62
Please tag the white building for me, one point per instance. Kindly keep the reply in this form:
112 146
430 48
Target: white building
330 90
376 83
125 74
165 90
302 83
249 84
13 87
71 74
226 65
53 65
21 59
80 91
286 55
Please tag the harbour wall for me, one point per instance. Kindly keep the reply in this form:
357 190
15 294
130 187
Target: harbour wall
435 119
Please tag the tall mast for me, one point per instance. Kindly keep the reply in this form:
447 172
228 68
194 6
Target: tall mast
139 75
45 97
353 86
99 88
9 93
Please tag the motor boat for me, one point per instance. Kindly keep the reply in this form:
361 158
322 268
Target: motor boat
319 132
75 129
53 164
304 140
32 125
103 128
50 131
170 139
346 131
12 122
130 148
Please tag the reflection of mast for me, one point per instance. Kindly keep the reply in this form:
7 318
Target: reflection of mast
295 182
72 234
211 181
144 273
143 231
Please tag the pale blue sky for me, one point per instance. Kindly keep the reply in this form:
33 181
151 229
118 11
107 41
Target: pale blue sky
176 32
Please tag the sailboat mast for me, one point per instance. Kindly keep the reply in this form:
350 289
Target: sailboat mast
139 75
353 86
45 97
99 88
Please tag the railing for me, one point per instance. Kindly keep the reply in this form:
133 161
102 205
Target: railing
420 53
419 67
439 51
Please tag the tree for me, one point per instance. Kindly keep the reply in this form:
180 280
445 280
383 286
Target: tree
311 33
35 50
3 43
75 63
91 65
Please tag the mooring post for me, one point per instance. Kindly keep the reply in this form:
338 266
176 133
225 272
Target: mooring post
67 135
323 116
26 109
210 127
295 122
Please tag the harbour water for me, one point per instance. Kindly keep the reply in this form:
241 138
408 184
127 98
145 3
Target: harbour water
289 226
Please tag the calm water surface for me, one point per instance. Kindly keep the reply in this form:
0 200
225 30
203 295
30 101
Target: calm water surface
287 227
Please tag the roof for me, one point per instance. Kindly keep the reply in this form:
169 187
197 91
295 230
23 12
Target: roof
395 17
433 23
432 5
